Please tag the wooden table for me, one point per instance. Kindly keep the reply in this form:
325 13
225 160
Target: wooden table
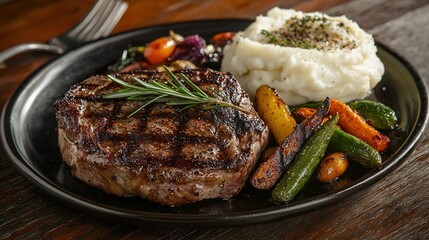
397 207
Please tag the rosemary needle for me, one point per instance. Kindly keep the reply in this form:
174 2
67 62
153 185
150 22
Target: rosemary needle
185 93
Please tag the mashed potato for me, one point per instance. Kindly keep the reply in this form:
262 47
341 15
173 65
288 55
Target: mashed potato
305 56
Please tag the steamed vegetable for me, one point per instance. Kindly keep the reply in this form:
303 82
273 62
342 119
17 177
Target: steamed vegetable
305 163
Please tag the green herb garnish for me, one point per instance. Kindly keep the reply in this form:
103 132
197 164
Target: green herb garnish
174 93
280 40
310 32
129 56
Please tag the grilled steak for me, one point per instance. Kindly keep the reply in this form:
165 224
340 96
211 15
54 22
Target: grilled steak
161 154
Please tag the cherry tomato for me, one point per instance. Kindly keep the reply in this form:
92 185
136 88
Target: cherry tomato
159 50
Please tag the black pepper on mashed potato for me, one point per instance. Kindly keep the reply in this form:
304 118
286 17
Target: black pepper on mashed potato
305 56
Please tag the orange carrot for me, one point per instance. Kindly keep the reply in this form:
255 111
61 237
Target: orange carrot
351 122
303 113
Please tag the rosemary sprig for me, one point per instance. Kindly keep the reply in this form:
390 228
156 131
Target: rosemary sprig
174 93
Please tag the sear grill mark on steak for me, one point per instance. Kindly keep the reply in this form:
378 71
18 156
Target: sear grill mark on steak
160 154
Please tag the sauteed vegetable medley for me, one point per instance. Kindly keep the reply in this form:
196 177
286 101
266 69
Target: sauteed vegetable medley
174 50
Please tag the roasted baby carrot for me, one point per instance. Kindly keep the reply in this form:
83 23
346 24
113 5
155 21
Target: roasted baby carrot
303 112
351 122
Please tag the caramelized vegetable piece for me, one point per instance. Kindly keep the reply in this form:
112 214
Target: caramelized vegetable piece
222 38
274 112
268 152
270 171
159 50
353 123
332 166
305 163
303 112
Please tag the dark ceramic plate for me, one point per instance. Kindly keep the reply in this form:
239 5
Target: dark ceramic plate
30 140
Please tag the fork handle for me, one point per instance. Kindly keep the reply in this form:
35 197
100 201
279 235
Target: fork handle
26 47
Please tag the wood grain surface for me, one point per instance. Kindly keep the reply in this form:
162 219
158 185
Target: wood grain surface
397 207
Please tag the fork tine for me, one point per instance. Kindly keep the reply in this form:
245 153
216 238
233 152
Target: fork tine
98 7
99 16
102 19
111 21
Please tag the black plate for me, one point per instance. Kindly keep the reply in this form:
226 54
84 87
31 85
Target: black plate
28 134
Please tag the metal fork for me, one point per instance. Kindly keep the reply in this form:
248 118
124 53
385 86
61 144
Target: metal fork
99 22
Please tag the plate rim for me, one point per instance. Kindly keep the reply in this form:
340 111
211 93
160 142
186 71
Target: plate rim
229 219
